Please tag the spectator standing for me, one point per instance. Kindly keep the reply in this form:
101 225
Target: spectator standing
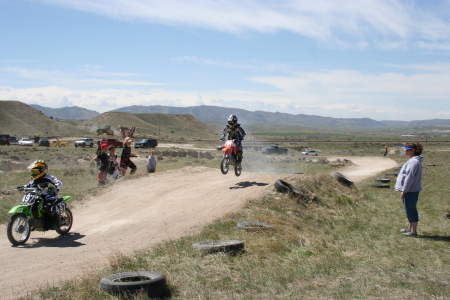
151 162
99 151
103 160
409 183
58 143
125 159
385 151
113 165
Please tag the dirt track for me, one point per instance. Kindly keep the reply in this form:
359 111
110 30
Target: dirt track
139 213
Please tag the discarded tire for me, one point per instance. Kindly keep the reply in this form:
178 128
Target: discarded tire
390 174
254 225
342 179
284 187
229 246
383 180
154 284
381 185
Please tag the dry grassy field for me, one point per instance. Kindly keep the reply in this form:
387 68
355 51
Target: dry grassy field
329 242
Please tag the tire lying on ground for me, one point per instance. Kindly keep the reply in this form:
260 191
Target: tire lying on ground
284 187
383 180
381 185
254 225
154 284
342 179
390 174
229 246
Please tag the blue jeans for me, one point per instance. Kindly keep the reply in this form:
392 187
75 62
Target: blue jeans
410 206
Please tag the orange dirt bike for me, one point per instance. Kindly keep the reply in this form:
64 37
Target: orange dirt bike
229 157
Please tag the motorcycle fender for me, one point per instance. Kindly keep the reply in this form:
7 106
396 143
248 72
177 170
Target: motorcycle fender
226 150
19 208
65 198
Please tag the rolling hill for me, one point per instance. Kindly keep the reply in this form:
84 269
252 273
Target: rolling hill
172 125
22 120
73 112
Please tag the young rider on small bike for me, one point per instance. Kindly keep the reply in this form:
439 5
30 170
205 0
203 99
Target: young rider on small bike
234 132
48 184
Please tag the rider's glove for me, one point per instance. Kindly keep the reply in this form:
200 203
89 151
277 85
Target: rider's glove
51 188
20 188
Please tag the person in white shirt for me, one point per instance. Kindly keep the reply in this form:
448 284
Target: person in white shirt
151 162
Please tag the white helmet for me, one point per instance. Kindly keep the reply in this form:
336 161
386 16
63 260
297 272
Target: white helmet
232 120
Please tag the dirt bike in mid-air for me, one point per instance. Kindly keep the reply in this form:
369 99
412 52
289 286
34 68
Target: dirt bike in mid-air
31 215
229 157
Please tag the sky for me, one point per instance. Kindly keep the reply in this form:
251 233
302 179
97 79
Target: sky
378 59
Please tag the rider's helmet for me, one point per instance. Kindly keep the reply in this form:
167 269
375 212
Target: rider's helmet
38 169
232 120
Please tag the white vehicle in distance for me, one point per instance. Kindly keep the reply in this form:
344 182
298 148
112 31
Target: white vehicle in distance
25 142
310 152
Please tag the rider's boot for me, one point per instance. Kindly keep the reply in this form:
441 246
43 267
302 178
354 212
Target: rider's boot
239 157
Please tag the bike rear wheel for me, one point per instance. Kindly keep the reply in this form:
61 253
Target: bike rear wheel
224 165
63 222
18 229
237 169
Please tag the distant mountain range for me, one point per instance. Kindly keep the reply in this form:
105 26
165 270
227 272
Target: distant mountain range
67 113
218 115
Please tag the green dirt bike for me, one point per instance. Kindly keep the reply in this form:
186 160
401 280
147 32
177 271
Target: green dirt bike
31 215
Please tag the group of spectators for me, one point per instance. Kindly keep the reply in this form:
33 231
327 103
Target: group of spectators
111 166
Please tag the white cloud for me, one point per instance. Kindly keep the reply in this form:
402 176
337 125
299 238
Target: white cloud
103 100
342 23
56 77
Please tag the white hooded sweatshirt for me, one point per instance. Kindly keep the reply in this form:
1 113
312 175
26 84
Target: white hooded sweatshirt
409 178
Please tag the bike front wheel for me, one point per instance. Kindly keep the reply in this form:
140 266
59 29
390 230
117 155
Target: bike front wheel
18 229
224 165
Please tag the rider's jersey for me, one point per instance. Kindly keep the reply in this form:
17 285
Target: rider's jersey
44 182
234 132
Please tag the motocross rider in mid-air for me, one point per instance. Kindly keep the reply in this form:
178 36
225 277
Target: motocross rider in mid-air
48 184
234 132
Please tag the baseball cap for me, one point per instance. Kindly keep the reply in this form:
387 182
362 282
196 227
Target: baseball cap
103 146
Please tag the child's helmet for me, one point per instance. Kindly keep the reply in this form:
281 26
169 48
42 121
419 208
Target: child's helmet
232 120
38 169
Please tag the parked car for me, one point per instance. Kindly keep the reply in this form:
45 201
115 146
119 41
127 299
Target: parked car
44 142
111 142
84 142
25 142
61 144
4 139
274 149
310 152
146 143
13 140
